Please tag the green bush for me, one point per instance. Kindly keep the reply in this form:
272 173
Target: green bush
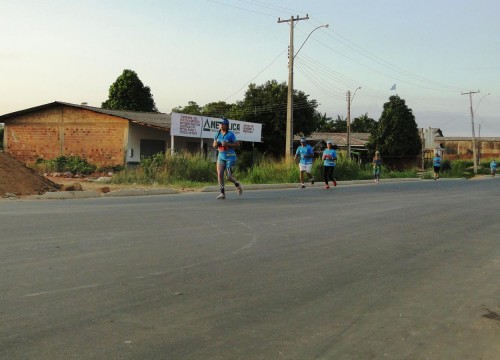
72 164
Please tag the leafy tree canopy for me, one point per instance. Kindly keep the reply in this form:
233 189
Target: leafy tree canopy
192 108
129 93
339 125
265 104
396 135
217 109
363 124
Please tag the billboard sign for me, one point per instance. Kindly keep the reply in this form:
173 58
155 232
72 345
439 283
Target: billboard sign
206 127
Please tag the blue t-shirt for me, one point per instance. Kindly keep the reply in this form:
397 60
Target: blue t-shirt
329 157
436 161
226 153
493 165
305 150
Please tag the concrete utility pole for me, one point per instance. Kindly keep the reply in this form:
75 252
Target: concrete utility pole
349 102
473 131
348 131
289 110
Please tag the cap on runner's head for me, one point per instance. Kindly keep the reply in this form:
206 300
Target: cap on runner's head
224 121
329 142
303 140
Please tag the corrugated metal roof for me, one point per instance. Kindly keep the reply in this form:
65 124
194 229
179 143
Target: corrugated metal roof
158 120
340 139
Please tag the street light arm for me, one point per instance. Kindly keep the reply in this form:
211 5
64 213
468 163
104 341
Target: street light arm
481 100
325 26
359 88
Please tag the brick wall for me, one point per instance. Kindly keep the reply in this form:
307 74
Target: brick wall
462 149
64 130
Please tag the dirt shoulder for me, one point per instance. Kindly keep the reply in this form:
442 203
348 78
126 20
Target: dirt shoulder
18 179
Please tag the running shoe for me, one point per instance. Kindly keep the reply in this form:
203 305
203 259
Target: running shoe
334 182
327 187
303 186
312 181
239 189
221 196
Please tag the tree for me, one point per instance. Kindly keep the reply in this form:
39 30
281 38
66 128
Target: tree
267 104
363 124
396 135
129 93
322 122
192 108
217 109
339 125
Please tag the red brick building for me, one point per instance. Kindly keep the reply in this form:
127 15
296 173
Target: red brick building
102 137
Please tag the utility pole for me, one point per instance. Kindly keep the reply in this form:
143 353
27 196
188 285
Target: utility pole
422 137
289 110
479 144
349 102
348 132
473 131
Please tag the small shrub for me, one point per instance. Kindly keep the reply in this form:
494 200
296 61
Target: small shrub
72 164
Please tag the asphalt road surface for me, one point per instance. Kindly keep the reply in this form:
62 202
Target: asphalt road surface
378 271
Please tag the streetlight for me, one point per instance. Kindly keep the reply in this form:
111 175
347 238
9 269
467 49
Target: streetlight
349 102
291 56
479 102
313 30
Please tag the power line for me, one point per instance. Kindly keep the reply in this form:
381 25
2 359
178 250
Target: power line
260 72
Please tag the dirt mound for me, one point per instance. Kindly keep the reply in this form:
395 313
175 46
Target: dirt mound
17 178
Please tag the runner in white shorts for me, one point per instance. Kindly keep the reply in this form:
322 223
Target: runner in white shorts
306 153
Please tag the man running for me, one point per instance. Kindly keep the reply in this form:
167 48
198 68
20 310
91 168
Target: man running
377 166
306 153
329 162
225 141
436 163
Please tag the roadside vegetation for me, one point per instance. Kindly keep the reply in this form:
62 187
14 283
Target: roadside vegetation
194 171
73 165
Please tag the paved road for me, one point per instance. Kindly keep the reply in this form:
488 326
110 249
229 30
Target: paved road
388 271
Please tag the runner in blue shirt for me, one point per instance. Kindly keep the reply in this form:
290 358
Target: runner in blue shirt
329 162
436 162
493 167
377 166
225 141
306 153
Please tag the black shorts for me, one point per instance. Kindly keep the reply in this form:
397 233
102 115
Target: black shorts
436 169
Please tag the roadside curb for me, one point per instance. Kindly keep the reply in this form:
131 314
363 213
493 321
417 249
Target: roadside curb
88 194
318 183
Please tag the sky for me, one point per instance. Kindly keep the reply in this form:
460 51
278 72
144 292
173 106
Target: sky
434 51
